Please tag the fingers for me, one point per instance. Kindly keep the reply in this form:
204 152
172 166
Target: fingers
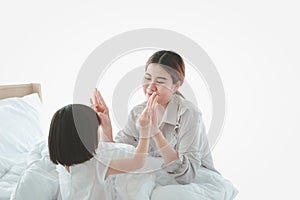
147 109
99 97
145 112
154 111
151 100
92 103
99 102
95 97
151 105
154 103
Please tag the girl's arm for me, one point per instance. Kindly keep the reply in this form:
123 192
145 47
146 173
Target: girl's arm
130 164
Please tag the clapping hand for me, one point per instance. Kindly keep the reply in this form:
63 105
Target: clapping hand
148 118
102 110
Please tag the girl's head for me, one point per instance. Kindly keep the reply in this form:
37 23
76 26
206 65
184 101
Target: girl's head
164 74
73 136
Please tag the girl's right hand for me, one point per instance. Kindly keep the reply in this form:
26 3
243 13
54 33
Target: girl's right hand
101 109
99 104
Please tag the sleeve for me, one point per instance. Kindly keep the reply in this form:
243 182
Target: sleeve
192 147
129 135
101 169
108 151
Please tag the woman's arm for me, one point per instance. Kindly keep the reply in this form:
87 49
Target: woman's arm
137 162
192 149
165 149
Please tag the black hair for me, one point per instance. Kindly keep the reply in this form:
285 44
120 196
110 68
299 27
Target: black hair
172 63
73 135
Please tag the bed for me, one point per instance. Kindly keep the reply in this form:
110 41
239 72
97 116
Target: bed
23 150
7 91
26 171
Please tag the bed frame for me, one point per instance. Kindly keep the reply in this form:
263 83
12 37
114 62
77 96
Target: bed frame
20 90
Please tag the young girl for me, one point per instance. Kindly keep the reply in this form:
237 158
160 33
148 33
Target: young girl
84 163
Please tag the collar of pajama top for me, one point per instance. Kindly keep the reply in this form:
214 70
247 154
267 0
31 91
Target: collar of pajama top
175 108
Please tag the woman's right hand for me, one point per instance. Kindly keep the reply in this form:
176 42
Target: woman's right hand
145 119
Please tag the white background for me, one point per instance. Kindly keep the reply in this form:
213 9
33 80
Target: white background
254 45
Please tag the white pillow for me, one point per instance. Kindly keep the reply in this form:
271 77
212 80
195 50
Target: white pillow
5 165
20 126
210 185
40 178
39 181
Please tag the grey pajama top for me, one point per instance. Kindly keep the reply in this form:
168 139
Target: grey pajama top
183 127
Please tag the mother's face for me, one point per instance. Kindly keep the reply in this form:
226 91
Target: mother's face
158 80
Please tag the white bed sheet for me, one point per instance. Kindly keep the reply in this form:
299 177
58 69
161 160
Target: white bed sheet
35 172
20 129
11 170
26 174
39 180
207 186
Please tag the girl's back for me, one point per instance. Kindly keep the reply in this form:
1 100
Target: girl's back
83 181
87 180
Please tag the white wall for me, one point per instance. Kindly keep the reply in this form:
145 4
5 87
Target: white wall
254 45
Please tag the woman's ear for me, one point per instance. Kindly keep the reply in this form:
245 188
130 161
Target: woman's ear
177 85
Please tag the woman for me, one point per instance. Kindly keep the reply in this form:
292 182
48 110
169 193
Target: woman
177 130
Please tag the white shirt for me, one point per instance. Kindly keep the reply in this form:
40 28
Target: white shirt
87 180
84 181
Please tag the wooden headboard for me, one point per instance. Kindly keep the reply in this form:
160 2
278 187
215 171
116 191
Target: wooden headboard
7 91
